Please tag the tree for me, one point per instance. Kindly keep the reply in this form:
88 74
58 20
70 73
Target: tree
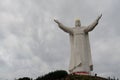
59 74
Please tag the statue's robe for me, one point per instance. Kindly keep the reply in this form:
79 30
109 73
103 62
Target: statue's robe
80 51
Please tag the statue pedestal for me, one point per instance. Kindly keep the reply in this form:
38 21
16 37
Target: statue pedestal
81 73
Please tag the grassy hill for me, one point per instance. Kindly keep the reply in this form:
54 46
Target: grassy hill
63 75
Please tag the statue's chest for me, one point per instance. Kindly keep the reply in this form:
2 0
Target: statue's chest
78 31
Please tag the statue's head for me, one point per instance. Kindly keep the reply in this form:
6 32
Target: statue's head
77 23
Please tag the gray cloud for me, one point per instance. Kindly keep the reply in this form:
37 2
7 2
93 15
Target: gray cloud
31 44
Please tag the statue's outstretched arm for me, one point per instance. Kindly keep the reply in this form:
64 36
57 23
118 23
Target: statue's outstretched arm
64 28
93 25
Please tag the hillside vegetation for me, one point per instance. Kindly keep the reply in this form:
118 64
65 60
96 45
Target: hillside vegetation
63 75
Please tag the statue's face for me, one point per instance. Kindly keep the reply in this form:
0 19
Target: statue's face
77 23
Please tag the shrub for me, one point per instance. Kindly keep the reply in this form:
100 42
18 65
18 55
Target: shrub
59 74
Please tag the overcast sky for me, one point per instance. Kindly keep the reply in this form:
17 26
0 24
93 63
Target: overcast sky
31 44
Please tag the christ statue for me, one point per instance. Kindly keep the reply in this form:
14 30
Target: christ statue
80 60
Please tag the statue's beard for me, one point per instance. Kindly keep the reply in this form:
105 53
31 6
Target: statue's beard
77 25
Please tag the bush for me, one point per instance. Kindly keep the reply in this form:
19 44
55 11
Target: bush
24 78
59 74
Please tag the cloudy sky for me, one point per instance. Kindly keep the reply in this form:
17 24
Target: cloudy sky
31 44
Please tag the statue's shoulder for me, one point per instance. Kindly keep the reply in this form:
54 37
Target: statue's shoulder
73 28
83 26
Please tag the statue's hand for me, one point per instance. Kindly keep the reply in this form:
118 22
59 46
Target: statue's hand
99 16
56 21
91 67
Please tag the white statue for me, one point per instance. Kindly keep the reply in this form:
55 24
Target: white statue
81 60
